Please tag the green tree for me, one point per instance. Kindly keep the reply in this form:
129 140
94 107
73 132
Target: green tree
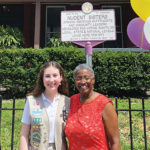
10 37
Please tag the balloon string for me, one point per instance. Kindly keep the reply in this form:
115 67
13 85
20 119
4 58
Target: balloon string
142 38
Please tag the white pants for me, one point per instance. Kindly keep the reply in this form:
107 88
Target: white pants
51 146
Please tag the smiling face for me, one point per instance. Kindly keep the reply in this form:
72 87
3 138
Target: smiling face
84 82
51 79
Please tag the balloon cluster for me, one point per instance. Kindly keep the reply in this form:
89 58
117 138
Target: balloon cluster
138 29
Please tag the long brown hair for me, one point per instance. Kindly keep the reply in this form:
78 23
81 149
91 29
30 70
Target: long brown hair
39 86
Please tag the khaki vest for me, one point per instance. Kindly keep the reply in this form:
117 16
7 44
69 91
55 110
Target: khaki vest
39 132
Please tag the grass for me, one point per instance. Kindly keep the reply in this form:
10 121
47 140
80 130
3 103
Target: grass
123 118
137 124
6 124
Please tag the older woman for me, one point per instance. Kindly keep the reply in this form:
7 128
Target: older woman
92 123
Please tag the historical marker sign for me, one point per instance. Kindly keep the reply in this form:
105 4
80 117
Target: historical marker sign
95 26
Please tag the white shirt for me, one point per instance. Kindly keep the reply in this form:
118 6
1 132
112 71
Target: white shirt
51 107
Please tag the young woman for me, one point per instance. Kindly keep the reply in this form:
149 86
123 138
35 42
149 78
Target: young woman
43 118
92 123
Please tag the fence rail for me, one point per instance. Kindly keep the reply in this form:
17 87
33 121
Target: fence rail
129 110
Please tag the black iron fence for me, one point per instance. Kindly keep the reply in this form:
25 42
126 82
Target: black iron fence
13 109
143 110
129 110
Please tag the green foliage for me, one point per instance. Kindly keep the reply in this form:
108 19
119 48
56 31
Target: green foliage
122 73
10 37
6 124
117 73
55 41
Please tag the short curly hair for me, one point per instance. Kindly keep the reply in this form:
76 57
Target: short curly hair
81 67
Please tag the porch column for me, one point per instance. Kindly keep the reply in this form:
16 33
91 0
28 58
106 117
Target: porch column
37 25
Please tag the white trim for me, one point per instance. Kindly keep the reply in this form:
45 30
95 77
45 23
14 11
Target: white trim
37 25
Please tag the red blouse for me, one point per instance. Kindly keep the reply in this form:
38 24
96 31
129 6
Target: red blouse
84 127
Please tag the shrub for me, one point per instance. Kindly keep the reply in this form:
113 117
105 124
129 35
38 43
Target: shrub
122 73
117 73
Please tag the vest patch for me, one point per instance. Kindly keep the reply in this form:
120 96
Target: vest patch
37 112
36 135
37 120
36 103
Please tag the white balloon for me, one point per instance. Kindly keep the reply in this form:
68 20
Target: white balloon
147 29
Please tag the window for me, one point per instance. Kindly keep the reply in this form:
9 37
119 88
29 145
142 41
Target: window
53 21
12 15
118 43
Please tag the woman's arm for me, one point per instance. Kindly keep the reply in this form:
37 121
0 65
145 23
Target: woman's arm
111 126
24 136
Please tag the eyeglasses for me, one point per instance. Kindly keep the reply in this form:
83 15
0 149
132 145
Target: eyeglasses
82 78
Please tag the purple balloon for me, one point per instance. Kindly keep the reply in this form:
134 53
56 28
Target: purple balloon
136 34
